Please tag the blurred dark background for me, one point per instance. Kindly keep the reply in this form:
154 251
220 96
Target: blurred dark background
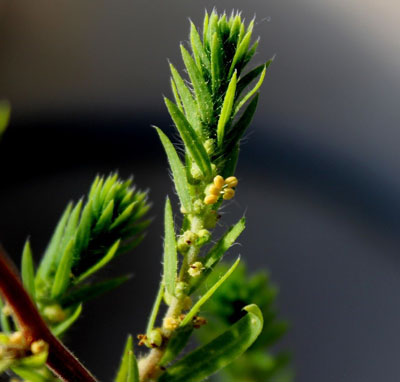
318 173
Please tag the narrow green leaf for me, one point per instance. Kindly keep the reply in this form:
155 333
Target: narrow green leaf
133 369
203 96
170 253
176 95
208 359
247 79
176 343
202 60
141 210
250 54
215 254
100 264
112 193
108 184
128 370
90 291
235 29
96 198
124 365
205 28
4 116
66 324
240 52
189 104
52 248
105 219
63 274
223 27
236 133
125 215
155 309
224 243
93 187
196 307
178 171
85 225
190 138
212 26
29 374
28 270
217 66
229 168
129 196
242 101
226 110
70 229
241 33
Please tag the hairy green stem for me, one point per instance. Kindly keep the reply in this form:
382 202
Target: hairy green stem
148 366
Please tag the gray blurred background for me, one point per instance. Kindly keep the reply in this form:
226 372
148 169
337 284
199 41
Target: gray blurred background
318 174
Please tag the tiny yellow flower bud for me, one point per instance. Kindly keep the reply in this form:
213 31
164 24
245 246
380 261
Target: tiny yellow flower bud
214 190
183 210
181 245
229 193
231 181
210 199
54 313
189 237
17 338
219 181
171 323
204 236
38 347
195 269
155 338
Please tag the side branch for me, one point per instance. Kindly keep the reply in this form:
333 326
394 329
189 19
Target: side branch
60 360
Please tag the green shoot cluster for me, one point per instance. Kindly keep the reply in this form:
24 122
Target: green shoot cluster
212 109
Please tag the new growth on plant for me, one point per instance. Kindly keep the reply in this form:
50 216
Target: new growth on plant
211 109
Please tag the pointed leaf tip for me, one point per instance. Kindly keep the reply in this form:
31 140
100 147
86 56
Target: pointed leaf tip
178 171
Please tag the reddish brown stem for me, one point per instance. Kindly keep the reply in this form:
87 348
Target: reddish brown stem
60 360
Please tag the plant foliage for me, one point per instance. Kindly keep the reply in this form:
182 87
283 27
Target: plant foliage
212 109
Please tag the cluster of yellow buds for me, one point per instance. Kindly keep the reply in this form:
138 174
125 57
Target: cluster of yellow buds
171 323
221 186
